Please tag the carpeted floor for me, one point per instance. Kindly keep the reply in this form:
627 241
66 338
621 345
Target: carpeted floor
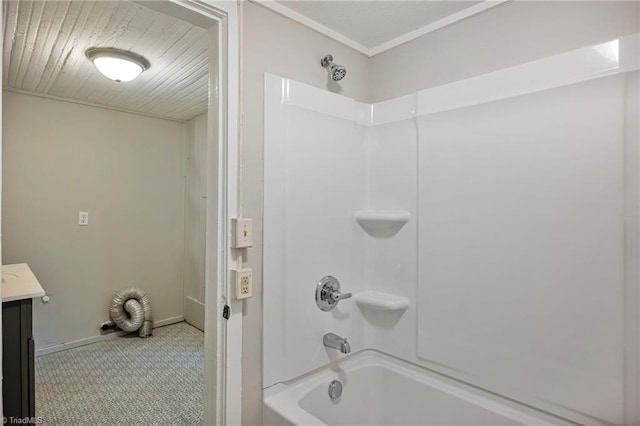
125 381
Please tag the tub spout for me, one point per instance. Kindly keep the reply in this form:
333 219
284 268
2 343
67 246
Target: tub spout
334 341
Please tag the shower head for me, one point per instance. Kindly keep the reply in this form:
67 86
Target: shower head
337 72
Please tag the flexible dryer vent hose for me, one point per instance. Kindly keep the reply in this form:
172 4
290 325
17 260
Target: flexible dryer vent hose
131 310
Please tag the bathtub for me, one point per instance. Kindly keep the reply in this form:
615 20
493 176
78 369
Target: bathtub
381 390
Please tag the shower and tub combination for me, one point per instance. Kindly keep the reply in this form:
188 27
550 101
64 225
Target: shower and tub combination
464 255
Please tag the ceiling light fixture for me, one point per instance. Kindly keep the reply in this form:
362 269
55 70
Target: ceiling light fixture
118 65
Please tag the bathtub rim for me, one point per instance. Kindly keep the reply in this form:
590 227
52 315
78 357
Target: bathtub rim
284 398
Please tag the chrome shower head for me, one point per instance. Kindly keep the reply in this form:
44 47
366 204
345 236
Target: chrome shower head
337 72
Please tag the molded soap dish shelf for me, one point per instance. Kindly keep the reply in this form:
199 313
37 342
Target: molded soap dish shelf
379 301
382 223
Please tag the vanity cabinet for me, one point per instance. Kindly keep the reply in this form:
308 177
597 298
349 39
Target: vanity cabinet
18 385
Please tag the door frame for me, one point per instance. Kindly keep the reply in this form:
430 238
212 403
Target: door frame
223 338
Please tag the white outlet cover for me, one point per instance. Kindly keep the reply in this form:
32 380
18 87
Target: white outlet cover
237 276
83 218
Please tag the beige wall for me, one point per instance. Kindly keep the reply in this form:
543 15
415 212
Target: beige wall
507 35
195 210
126 170
285 48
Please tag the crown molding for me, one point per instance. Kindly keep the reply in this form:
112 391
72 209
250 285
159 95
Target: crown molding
308 22
434 26
280 9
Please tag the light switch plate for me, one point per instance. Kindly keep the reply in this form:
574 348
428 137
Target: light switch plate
242 280
242 229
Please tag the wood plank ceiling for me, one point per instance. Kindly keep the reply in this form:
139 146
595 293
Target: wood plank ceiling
45 41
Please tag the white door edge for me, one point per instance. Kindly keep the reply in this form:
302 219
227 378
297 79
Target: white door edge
223 337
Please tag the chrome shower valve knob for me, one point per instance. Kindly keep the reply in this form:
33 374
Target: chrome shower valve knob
328 293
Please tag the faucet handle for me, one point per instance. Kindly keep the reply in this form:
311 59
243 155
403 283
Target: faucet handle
337 296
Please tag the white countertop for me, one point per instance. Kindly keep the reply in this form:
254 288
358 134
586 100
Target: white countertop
18 282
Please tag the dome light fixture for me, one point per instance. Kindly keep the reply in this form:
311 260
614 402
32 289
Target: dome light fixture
116 64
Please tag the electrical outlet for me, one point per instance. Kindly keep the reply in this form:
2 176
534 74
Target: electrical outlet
242 229
83 218
242 282
245 284
108 327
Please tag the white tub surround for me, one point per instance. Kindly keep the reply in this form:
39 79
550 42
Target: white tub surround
485 227
371 383
19 282
379 301
383 224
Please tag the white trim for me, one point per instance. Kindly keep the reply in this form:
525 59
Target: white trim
168 321
434 26
223 338
280 9
95 339
77 343
228 208
314 25
194 312
632 253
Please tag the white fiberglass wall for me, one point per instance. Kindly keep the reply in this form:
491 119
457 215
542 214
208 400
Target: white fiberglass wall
521 244
517 268
314 177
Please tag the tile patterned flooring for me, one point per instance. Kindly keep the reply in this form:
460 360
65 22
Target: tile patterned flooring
125 381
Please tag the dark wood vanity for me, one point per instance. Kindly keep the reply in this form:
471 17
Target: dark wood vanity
18 350
19 287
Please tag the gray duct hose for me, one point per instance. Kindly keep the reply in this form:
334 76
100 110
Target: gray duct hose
131 310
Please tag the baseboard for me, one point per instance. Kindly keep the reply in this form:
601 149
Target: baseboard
78 343
194 312
168 321
101 338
